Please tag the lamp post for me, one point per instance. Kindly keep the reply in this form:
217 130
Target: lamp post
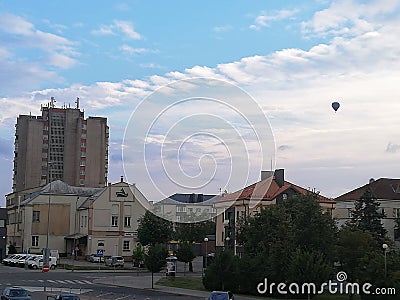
46 254
228 239
385 250
74 240
206 241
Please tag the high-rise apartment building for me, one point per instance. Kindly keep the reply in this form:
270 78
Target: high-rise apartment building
60 144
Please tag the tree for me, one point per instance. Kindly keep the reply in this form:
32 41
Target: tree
138 255
223 273
366 216
153 229
185 254
194 232
283 236
155 260
12 249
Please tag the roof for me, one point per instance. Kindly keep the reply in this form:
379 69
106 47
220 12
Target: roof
187 199
59 187
268 190
382 188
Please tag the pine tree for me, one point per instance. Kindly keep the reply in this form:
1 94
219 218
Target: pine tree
367 217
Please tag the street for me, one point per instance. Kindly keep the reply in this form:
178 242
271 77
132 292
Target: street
89 285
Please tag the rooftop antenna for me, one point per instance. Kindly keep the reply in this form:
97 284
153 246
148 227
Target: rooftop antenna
77 102
52 101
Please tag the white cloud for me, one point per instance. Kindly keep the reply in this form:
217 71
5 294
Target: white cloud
223 28
131 50
124 27
264 20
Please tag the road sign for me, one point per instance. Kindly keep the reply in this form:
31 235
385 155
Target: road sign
45 269
100 252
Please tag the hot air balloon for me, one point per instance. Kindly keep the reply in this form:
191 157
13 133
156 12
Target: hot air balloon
335 106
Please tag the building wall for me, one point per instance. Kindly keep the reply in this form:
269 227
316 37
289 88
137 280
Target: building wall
96 152
63 137
3 233
101 211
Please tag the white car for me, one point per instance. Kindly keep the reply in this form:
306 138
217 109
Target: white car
6 260
14 261
29 258
37 263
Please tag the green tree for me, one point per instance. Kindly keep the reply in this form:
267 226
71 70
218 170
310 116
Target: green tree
352 245
185 254
367 217
12 249
194 232
223 272
153 229
138 255
155 260
283 236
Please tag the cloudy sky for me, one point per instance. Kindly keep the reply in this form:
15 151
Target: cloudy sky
293 58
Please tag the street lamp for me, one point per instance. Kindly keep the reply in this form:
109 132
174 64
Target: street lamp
228 239
206 241
385 250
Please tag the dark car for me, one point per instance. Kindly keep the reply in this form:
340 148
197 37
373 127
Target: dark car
220 295
64 296
15 293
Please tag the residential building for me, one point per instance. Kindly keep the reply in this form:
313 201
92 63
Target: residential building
60 144
3 233
387 193
182 208
272 189
83 219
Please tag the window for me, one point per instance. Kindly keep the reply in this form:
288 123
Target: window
349 212
114 221
396 213
2 223
100 244
126 246
36 216
35 241
127 221
284 196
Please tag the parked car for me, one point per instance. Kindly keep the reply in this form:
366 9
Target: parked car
30 262
115 261
221 295
37 263
30 258
63 296
14 261
95 258
6 260
15 293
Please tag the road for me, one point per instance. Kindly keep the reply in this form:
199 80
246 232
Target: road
83 283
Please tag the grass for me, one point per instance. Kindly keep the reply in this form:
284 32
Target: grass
191 283
195 283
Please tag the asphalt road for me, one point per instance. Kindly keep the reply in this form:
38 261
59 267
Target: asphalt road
83 283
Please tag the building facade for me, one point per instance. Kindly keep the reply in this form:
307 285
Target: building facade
186 208
3 233
82 219
60 144
387 193
271 190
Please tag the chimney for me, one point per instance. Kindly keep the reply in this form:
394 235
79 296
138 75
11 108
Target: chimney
371 180
266 174
122 178
280 177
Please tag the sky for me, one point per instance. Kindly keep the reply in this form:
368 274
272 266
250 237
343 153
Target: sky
286 61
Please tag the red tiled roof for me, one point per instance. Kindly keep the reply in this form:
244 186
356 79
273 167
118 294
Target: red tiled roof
382 188
263 190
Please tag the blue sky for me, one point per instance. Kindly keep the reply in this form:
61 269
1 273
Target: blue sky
294 58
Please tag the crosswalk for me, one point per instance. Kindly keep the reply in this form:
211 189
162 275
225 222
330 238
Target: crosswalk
57 281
